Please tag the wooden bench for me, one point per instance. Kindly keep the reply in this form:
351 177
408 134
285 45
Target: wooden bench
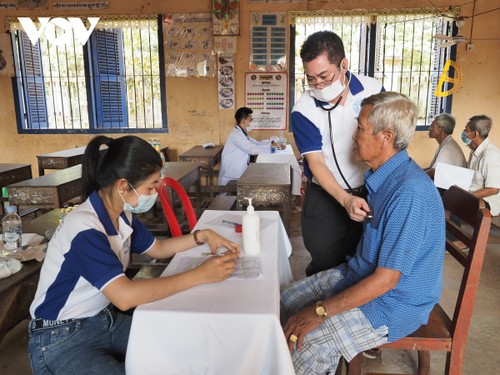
222 203
495 221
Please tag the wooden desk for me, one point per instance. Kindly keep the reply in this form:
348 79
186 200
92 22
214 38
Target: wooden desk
269 185
12 173
17 291
49 191
207 157
60 159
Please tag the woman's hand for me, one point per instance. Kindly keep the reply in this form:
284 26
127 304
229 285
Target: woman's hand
216 241
218 268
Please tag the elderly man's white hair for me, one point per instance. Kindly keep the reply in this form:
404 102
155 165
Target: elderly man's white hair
392 110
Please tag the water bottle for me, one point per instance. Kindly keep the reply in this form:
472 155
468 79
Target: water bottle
282 139
12 231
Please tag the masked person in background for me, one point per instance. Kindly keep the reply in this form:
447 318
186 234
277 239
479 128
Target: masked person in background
77 325
239 146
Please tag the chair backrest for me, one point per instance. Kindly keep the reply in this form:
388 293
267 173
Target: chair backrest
168 208
471 210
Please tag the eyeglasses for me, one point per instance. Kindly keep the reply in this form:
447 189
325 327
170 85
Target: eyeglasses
322 84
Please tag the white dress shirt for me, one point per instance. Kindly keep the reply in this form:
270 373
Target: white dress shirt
449 152
485 161
236 154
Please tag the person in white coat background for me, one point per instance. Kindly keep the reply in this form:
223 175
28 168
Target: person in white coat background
239 146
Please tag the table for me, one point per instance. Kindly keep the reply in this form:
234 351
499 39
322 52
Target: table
207 157
269 185
231 327
60 159
17 291
286 157
12 173
48 191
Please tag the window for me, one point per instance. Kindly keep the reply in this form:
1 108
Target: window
397 49
111 84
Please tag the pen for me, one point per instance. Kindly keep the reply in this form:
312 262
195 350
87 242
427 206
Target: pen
230 222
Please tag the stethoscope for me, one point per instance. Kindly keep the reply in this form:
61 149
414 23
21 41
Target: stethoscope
369 215
329 110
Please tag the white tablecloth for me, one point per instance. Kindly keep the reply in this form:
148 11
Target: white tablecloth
285 156
227 328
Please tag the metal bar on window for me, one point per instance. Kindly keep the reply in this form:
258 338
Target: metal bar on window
142 78
151 75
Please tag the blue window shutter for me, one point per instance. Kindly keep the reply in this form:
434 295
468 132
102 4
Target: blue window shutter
32 73
108 72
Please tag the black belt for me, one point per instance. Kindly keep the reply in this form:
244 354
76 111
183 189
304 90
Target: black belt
44 323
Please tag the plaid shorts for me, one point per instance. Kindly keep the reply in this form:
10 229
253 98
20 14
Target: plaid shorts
345 334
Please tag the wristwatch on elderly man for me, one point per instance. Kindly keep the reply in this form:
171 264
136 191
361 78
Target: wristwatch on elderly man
321 310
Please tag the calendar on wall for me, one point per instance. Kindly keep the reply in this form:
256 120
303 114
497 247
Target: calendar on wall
265 94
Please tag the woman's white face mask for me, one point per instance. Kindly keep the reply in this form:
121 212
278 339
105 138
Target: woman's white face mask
144 203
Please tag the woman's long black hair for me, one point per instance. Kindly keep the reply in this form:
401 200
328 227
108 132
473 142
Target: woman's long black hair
128 157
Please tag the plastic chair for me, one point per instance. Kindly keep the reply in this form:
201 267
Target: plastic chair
444 333
168 210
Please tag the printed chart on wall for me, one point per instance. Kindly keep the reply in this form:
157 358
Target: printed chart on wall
265 94
268 43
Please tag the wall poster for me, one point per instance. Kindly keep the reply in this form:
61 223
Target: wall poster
226 17
225 81
188 45
265 94
268 41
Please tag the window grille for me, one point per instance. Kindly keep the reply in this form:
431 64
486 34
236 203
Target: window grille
399 49
112 84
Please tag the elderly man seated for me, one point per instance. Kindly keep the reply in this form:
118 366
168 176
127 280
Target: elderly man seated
389 287
448 152
484 160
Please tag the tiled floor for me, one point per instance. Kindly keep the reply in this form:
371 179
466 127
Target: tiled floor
484 334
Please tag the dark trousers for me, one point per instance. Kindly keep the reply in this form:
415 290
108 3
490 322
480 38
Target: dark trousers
328 232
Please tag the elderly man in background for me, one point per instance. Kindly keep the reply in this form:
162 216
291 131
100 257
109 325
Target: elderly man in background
484 160
448 152
389 287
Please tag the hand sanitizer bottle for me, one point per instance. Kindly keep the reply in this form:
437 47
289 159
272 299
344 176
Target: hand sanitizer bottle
251 230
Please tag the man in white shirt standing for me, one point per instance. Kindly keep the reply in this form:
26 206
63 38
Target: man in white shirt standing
484 160
239 146
448 152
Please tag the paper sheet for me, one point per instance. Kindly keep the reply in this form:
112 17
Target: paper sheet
447 175
246 267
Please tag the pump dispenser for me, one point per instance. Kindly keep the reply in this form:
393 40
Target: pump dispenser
251 230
